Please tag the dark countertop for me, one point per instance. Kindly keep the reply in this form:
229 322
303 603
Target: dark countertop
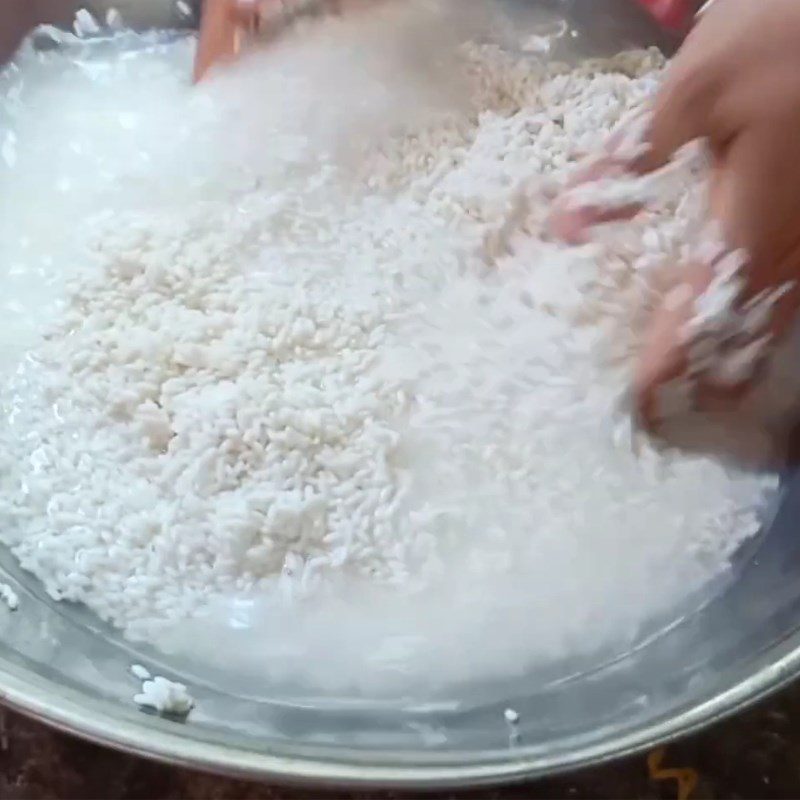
755 755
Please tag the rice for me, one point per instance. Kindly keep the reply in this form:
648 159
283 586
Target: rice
327 354
165 697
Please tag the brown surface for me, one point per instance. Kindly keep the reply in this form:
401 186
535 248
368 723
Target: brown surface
17 17
756 755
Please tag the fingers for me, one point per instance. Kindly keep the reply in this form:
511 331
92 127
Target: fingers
246 13
600 191
218 39
221 27
709 340
758 202
703 344
715 334
572 222
252 14
681 112
716 389
645 142
224 21
659 388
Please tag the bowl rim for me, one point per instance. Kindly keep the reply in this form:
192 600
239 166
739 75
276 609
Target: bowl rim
98 720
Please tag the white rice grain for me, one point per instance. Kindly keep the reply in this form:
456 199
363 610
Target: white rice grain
320 378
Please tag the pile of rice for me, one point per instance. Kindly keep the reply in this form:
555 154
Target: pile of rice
312 335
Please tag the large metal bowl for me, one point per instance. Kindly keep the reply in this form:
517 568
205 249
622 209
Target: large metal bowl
59 664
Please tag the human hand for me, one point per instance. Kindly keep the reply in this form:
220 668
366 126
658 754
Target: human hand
736 85
224 22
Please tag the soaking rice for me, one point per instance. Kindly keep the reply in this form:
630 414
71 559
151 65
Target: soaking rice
323 346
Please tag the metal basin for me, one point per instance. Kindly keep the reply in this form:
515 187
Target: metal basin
59 664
